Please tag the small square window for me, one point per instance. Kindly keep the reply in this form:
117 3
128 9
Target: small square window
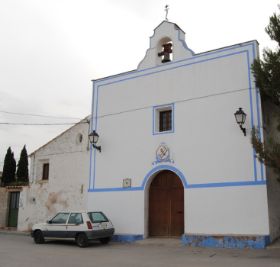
45 174
163 119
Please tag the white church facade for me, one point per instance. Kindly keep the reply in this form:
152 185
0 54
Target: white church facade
173 161
170 160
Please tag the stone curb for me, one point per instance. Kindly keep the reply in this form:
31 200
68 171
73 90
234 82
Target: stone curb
274 246
5 232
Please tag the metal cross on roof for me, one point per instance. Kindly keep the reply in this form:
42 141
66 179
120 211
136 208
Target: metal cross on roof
166 11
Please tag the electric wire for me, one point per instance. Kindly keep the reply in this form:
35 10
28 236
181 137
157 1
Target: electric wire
178 101
37 115
125 111
37 124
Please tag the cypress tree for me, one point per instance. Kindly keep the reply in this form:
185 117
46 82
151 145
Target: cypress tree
267 76
13 168
267 71
8 175
22 168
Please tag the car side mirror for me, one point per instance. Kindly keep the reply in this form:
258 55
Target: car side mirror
49 221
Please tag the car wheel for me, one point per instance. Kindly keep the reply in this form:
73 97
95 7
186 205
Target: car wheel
82 240
39 237
105 240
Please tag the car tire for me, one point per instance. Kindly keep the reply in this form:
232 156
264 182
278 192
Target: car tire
105 240
39 237
82 240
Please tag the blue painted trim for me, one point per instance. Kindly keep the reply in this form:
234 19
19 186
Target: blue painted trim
239 242
184 43
170 66
93 126
159 168
227 184
155 121
96 111
189 186
187 59
251 110
128 76
258 101
116 189
204 54
90 130
163 168
90 168
144 182
127 238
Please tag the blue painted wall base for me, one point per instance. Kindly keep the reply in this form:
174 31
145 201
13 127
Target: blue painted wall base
127 238
254 242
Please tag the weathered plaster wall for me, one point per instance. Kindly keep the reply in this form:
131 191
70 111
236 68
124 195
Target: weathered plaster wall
66 188
273 186
3 207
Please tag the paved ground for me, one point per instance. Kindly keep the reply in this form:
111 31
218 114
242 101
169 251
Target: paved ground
20 251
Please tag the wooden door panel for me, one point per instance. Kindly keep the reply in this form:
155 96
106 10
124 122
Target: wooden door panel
158 212
177 212
166 205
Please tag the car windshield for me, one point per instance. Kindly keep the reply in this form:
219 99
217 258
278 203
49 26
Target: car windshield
97 217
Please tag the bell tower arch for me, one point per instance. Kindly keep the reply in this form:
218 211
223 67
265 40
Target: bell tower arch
166 45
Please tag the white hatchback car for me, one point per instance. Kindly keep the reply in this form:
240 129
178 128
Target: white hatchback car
80 226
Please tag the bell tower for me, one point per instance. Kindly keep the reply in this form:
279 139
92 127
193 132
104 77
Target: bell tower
166 45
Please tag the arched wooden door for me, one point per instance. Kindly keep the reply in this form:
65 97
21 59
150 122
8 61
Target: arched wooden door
166 205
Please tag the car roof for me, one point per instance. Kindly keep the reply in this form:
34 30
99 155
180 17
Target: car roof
77 211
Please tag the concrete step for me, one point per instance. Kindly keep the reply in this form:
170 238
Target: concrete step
161 241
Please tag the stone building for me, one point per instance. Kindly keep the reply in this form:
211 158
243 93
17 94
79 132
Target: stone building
58 177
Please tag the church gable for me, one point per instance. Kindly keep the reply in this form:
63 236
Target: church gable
166 45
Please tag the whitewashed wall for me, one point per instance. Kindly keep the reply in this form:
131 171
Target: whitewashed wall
227 211
67 186
225 189
4 197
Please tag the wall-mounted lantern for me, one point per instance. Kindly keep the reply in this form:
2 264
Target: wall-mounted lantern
93 138
240 117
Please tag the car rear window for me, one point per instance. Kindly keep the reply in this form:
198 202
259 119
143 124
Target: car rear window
97 217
